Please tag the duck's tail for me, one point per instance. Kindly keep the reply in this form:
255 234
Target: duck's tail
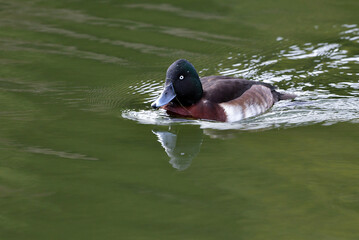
279 95
285 96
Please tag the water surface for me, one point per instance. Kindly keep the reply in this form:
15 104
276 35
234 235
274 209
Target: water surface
83 155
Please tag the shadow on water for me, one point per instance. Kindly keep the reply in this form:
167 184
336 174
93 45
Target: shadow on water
182 143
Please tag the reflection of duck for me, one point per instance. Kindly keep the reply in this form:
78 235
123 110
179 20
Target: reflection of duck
181 144
215 97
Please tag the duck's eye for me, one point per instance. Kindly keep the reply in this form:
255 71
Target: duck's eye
181 77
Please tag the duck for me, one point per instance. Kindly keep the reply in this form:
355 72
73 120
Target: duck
217 98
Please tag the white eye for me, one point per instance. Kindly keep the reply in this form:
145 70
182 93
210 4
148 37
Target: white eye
181 77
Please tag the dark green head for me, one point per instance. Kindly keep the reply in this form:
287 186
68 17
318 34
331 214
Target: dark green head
182 84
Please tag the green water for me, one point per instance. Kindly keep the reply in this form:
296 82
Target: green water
83 156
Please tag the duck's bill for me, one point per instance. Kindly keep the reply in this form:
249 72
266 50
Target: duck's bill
166 96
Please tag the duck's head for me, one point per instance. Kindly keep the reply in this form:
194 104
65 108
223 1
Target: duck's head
182 84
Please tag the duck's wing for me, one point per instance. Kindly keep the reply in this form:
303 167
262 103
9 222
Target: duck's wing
219 89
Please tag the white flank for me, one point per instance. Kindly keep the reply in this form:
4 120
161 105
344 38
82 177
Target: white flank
253 110
256 100
234 112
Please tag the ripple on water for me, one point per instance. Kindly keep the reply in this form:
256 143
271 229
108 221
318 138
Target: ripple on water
57 49
283 115
327 86
75 16
121 96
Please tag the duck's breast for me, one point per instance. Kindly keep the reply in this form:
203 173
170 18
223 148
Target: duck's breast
203 109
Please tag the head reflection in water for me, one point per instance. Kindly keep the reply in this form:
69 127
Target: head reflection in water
181 143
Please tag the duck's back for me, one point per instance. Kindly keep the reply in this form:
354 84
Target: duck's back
220 89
